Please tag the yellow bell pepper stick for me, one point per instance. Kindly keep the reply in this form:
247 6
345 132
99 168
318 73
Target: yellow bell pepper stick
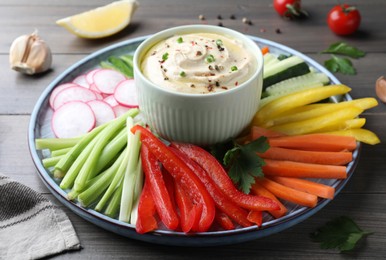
348 124
297 99
321 109
314 124
361 135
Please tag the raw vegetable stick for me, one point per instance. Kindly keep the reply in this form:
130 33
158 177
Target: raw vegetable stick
51 161
258 189
289 194
91 162
317 157
232 210
92 193
111 150
311 125
65 163
362 135
224 220
318 189
62 151
159 191
322 109
117 181
303 170
71 174
131 177
255 217
112 208
297 99
315 142
348 124
56 143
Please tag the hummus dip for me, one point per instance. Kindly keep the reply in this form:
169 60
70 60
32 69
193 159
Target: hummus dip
198 63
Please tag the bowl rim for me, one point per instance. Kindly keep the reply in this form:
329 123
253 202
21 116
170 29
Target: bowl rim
197 28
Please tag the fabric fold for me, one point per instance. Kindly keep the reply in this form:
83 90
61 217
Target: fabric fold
31 227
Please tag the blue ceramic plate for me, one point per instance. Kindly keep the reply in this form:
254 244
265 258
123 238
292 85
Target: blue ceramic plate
40 127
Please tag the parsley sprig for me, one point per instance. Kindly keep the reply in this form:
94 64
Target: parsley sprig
341 233
242 161
342 64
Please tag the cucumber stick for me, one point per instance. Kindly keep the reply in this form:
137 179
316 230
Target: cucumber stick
285 69
297 83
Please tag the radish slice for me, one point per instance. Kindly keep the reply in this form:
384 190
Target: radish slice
73 119
103 112
73 94
81 81
98 95
111 101
120 110
90 76
57 89
126 93
107 80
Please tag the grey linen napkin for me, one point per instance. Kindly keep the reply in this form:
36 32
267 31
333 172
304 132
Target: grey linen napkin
31 226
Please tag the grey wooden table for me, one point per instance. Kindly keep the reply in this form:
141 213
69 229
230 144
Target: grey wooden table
363 199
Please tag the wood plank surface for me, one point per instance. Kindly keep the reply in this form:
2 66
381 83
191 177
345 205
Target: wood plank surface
363 198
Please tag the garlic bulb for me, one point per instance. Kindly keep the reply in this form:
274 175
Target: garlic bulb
29 54
380 88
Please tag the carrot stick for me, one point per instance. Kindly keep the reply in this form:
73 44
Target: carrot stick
318 189
257 132
264 50
289 194
315 142
260 190
303 170
316 157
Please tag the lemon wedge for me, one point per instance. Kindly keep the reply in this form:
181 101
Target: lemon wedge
102 21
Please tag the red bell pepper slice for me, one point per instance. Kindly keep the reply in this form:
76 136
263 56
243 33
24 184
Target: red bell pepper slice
235 212
187 213
182 174
256 217
224 220
223 181
146 221
161 197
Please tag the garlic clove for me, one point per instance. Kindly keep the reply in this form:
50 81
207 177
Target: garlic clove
380 88
30 54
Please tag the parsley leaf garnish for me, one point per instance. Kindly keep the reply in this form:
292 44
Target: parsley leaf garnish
338 64
341 233
244 164
344 49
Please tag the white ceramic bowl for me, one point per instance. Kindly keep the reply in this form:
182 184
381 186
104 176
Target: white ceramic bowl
201 119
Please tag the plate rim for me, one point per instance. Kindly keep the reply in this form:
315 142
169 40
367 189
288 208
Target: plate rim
167 237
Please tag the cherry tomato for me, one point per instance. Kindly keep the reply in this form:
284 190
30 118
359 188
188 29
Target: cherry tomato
344 19
288 8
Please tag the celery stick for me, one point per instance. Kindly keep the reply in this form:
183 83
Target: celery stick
115 182
65 163
51 161
55 143
94 190
113 206
76 166
137 192
94 156
130 174
111 150
59 152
